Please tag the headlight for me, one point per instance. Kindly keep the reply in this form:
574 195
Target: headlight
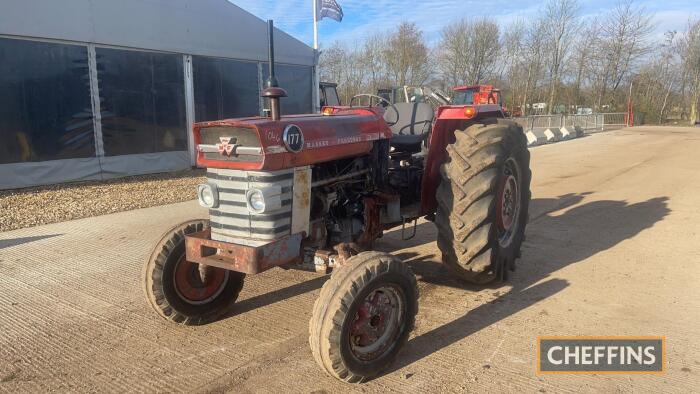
256 200
265 199
208 195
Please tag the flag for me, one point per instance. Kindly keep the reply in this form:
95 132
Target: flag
330 9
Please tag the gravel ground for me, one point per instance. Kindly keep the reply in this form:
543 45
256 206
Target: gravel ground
57 203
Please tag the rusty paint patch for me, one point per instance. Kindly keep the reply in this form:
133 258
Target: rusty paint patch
200 248
301 203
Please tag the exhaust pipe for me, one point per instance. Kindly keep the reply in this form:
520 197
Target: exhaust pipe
272 90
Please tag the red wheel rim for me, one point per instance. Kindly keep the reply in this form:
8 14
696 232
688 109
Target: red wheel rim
508 203
198 286
377 323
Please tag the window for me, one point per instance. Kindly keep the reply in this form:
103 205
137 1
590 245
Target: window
329 95
296 80
142 101
224 88
464 97
45 106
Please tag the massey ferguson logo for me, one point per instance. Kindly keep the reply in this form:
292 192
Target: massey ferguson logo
226 147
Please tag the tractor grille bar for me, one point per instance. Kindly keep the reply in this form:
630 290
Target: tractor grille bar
233 222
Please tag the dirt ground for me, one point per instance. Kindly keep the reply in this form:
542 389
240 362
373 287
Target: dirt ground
613 248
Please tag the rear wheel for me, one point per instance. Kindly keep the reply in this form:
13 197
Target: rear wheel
483 201
363 316
185 292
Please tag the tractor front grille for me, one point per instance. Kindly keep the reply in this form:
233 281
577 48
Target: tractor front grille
231 221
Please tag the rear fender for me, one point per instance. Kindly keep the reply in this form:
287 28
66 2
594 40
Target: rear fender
448 120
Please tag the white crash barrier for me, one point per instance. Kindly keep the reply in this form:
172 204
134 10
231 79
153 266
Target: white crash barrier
536 137
566 134
552 134
547 136
545 129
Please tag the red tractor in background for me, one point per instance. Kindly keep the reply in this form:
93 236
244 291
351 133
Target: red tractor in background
315 192
463 95
481 95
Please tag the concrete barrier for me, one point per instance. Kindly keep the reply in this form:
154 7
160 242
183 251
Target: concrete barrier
536 137
552 135
566 134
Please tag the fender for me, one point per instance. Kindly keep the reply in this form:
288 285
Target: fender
448 119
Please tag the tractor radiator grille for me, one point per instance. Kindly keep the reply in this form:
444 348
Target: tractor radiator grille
231 221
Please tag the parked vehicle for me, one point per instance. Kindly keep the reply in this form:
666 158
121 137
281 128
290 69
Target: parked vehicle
316 191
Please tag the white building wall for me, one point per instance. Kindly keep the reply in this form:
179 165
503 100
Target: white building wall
212 28
196 27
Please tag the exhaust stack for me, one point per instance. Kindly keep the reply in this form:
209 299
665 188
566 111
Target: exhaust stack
272 90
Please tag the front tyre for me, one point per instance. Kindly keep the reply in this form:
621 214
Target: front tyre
363 316
184 292
483 201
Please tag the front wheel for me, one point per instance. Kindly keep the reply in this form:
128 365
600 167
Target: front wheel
483 201
363 316
185 292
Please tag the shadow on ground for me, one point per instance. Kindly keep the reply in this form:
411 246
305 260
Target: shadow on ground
6 243
555 240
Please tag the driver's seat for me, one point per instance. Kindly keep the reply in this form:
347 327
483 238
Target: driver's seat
412 127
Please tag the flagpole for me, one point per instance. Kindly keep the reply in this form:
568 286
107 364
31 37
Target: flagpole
313 4
317 100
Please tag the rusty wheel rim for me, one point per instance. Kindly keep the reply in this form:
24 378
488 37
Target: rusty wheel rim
377 323
508 203
197 284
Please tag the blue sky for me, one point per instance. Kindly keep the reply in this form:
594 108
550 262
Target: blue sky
364 17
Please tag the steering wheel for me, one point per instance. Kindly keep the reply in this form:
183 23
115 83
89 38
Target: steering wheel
379 100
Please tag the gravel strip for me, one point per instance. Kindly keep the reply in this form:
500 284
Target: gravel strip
57 203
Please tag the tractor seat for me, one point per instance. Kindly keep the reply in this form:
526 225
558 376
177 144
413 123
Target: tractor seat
413 126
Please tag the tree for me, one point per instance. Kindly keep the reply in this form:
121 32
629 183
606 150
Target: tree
690 54
560 25
623 43
532 60
406 56
556 58
373 60
469 51
512 54
583 56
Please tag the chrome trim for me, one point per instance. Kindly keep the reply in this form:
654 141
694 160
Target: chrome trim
237 149
232 220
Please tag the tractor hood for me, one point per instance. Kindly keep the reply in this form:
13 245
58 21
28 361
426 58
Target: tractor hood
264 144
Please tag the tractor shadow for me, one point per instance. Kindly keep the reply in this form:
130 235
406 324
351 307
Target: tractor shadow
554 241
279 295
7 243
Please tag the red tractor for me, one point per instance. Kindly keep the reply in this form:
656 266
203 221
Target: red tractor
314 192
479 95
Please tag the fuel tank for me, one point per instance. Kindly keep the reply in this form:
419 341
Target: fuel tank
260 143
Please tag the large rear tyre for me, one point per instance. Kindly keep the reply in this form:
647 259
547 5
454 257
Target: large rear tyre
363 316
184 292
483 201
